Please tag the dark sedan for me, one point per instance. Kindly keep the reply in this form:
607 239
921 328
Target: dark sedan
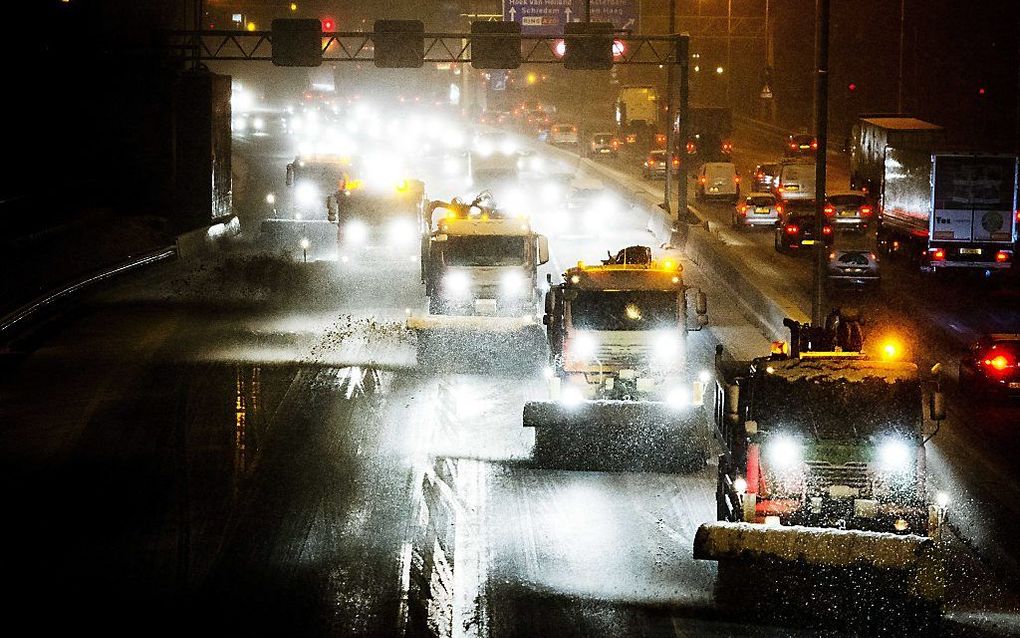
796 229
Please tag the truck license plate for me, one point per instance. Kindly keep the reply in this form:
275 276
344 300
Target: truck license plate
808 242
1014 385
970 251
762 210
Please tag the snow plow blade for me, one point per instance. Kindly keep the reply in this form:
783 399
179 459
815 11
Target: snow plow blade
842 573
643 436
455 343
470 323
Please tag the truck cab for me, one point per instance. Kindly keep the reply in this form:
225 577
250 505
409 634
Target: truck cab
619 328
820 434
478 261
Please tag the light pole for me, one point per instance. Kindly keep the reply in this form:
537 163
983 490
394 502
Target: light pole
304 248
899 75
821 134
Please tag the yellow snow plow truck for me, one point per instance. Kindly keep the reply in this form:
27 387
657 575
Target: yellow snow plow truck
621 396
479 267
821 495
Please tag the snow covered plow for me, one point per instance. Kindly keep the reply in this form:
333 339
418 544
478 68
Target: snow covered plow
472 342
822 481
615 435
834 572
619 396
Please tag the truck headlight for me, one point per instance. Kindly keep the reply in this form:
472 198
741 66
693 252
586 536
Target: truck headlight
355 232
667 348
512 283
307 194
894 455
784 452
456 283
401 232
584 346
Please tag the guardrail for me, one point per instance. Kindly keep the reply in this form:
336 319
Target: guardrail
44 301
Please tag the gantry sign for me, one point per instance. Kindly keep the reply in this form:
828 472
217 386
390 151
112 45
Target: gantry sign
489 45
405 44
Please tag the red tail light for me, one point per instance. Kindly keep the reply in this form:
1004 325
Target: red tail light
998 362
826 230
676 162
814 145
792 229
830 210
937 254
865 211
779 208
1003 256
703 179
742 210
793 146
736 179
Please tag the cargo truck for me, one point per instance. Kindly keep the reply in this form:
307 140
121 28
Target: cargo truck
874 133
637 115
949 211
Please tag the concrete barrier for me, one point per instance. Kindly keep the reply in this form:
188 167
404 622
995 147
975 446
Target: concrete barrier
206 240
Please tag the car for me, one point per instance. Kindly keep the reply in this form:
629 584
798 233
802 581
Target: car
850 210
764 176
801 145
603 144
991 365
718 180
655 165
757 209
563 135
852 267
796 227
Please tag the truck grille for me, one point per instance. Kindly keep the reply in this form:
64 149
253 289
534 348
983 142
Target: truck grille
631 355
822 474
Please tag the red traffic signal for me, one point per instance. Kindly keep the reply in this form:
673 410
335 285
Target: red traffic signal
851 87
328 25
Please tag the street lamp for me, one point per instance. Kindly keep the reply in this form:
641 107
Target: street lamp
304 248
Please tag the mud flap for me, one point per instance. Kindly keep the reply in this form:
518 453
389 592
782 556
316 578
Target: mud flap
827 575
642 436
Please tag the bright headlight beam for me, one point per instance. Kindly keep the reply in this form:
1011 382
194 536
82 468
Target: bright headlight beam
784 452
585 346
456 282
894 455
307 193
512 282
355 232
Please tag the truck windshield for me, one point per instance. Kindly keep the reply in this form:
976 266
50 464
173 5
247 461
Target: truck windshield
837 409
484 250
624 310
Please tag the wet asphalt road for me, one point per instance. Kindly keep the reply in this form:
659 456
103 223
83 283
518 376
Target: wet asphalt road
215 447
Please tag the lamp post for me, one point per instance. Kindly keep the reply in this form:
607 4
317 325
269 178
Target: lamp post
304 248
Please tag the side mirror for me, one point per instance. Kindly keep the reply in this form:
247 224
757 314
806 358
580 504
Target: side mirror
937 406
546 320
543 249
548 278
290 174
549 303
332 208
701 303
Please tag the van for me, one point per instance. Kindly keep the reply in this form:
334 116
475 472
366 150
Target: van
718 180
796 181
